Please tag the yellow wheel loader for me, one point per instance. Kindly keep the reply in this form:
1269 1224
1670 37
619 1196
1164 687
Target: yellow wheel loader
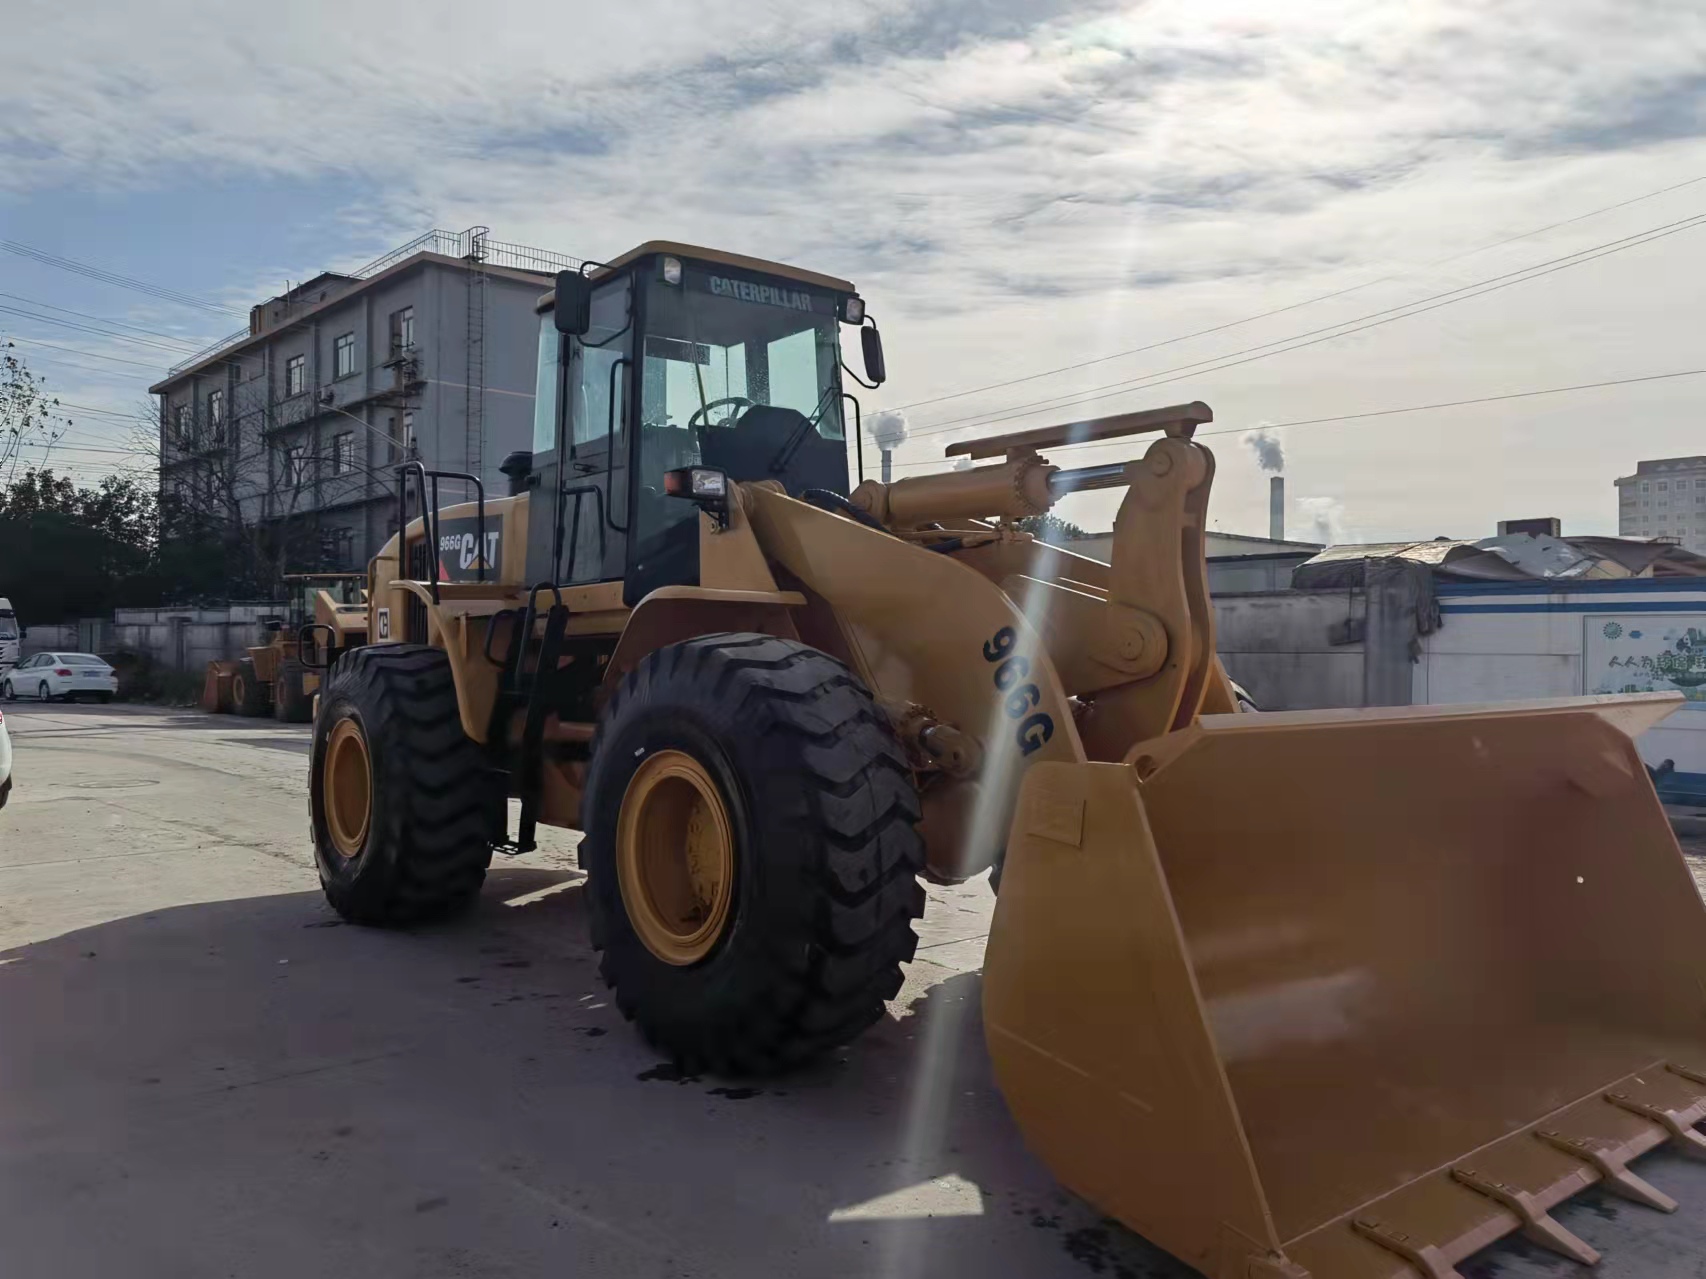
1349 994
327 614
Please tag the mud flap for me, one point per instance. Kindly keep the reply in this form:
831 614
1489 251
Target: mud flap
1352 993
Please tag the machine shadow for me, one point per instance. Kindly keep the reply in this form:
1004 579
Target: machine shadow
214 1044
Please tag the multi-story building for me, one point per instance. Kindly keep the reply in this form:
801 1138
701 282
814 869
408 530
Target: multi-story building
1665 498
295 426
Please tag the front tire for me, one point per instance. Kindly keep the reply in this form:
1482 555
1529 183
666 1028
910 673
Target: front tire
404 809
778 752
291 703
248 693
11 693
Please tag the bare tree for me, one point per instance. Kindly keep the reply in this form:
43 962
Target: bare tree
29 417
262 485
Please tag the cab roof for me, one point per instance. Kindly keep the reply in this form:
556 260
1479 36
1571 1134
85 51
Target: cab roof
699 253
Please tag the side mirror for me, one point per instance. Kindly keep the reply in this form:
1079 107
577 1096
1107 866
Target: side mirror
876 371
573 311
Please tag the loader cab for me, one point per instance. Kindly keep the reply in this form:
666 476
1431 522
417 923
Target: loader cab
671 357
347 591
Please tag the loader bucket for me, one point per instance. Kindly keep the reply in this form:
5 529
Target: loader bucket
1352 993
216 687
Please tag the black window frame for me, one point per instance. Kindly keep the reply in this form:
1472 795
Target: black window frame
343 453
403 329
293 464
343 346
295 375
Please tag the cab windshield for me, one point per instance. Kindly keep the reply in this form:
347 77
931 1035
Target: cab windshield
737 372
8 624
725 352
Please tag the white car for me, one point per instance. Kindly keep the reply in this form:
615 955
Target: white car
69 675
5 764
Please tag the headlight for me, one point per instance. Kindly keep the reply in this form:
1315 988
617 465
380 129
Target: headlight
672 270
695 482
853 309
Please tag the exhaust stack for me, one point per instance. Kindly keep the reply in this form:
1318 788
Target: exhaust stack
1276 508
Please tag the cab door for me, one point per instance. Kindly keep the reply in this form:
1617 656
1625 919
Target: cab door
583 469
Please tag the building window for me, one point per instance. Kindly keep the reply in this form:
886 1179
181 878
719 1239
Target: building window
1663 485
216 412
343 453
296 377
293 469
402 435
402 330
181 423
343 355
1643 486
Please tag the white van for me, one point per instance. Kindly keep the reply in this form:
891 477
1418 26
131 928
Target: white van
9 638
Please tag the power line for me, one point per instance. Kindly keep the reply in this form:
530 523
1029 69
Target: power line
1325 297
1373 319
113 277
1409 408
14 337
188 343
90 408
61 446
179 349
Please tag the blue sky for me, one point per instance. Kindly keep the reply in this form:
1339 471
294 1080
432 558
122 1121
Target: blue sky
1016 186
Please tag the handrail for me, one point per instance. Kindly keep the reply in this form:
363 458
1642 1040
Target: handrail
429 515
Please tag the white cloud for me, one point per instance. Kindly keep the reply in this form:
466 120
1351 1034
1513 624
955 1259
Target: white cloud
1016 186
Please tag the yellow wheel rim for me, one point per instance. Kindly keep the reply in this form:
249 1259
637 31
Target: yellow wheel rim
675 857
348 788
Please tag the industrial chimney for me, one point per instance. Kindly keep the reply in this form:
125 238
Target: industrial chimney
1276 508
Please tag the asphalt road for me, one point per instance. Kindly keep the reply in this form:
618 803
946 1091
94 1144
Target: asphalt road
204 1073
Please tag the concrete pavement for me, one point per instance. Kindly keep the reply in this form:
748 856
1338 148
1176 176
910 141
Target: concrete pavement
203 1072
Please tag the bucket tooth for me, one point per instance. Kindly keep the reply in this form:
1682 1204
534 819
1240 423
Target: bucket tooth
1423 1255
1689 1073
1678 1124
1538 1226
1610 1160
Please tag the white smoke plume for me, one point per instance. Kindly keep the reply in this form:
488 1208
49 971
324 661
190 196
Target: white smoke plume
1324 520
1265 444
888 428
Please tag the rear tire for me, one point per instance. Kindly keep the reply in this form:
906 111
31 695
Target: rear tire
248 693
43 692
821 810
103 698
290 701
433 807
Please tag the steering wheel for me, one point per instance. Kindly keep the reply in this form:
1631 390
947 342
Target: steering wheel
739 401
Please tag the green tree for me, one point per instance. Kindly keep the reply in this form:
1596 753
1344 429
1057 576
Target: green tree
1051 528
77 552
